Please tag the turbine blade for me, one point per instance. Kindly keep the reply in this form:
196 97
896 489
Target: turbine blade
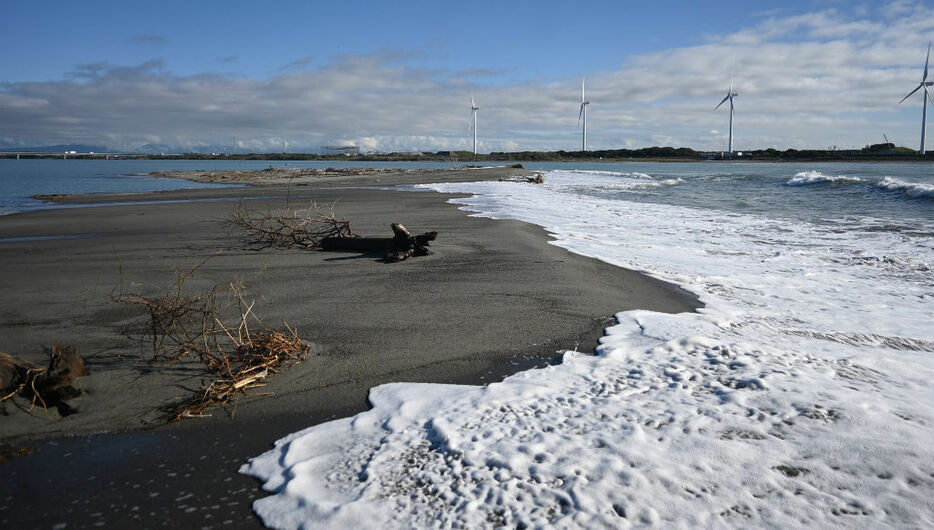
925 76
726 97
580 114
910 93
583 79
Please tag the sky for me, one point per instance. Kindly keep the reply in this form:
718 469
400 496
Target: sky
397 76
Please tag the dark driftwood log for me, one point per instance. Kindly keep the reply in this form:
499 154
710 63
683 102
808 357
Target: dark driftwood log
398 248
49 386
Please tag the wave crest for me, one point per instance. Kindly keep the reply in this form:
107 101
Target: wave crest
915 190
806 178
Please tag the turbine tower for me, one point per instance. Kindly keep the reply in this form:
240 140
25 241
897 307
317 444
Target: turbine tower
729 96
473 121
583 114
924 99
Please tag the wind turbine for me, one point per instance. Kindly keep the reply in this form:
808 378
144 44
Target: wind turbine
927 95
583 114
729 96
473 120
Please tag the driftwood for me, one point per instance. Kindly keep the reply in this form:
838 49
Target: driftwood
397 248
49 386
537 178
257 356
218 326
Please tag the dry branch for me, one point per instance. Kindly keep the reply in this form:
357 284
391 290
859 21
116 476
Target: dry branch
288 228
257 356
219 328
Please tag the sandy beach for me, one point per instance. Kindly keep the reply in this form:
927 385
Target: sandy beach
492 298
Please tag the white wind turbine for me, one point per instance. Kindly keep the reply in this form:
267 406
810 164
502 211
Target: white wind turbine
729 96
473 121
927 95
583 114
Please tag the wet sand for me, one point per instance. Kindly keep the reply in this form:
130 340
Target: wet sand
492 298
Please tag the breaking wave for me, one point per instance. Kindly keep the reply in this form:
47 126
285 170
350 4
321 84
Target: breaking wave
806 178
913 190
659 184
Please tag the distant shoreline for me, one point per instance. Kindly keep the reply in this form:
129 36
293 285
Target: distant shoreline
871 153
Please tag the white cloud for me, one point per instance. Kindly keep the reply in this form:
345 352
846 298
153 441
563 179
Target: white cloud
812 79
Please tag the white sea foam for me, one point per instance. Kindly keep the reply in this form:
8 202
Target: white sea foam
800 395
612 180
670 182
806 178
626 174
915 190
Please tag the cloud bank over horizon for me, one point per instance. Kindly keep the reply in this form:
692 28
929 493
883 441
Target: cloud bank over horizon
820 79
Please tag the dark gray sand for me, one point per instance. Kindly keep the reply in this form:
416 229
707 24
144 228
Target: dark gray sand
491 299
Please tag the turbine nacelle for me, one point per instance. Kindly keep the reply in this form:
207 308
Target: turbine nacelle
581 113
729 96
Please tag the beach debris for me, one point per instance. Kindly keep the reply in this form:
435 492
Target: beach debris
49 386
218 327
397 248
255 357
303 228
9 453
537 178
405 244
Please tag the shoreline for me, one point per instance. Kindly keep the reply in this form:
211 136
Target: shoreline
369 323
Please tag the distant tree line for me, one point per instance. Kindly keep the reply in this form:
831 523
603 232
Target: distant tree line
885 152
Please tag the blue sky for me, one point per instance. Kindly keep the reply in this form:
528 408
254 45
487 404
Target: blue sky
396 76
514 40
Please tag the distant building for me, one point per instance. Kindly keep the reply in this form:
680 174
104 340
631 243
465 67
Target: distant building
341 150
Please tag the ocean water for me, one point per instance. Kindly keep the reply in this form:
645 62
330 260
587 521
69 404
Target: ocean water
20 179
801 394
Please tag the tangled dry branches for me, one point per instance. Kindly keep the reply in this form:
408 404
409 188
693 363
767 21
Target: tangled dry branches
216 327
256 356
303 228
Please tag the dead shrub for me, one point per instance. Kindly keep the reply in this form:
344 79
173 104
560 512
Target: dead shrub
288 228
219 327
